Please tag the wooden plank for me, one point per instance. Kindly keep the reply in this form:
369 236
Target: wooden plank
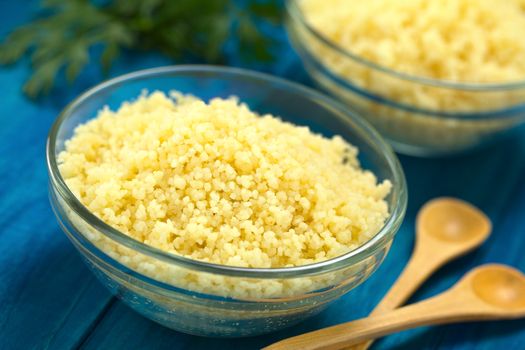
50 300
48 297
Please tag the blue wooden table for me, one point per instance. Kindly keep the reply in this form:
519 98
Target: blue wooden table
49 300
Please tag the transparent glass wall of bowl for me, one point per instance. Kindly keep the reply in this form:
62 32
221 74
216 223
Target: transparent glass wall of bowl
202 303
185 297
417 117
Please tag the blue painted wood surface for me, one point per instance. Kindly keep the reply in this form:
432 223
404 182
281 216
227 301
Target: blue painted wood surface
49 300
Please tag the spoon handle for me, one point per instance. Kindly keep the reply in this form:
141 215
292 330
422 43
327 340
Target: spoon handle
417 271
448 307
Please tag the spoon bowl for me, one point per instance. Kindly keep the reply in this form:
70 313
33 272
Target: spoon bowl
501 287
451 220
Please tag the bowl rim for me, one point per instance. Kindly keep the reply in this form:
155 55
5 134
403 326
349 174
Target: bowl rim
390 227
295 13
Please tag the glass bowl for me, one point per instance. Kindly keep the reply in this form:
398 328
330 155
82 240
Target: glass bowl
203 298
418 116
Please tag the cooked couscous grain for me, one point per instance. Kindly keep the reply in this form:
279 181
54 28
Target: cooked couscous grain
216 182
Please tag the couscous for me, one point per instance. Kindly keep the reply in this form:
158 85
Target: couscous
453 40
419 55
216 182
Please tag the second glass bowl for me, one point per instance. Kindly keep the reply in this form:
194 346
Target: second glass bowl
419 116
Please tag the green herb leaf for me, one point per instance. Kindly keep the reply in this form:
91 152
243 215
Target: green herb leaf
17 44
62 36
268 10
109 54
78 57
252 45
43 77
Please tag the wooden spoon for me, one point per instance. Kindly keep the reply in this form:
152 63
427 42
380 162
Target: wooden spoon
489 292
446 228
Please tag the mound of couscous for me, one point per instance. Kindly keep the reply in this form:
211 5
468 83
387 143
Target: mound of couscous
456 40
465 42
219 183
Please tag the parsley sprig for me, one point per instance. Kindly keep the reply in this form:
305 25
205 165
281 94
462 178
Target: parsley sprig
64 33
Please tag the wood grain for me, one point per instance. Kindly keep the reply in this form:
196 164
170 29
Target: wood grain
48 299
